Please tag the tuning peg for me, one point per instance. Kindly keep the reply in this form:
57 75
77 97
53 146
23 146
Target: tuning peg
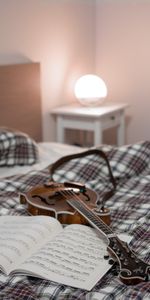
111 261
115 272
106 256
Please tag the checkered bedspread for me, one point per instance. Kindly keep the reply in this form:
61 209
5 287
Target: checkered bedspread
130 212
17 148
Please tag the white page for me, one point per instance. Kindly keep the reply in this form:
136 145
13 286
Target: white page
74 257
20 236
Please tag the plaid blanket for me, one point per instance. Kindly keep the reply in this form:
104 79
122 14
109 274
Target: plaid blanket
17 148
130 213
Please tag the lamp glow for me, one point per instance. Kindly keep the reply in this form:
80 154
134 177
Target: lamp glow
90 90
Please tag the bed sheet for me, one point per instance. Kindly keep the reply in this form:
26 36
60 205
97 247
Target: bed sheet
130 213
48 153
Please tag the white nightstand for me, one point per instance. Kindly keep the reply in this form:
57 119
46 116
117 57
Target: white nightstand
94 119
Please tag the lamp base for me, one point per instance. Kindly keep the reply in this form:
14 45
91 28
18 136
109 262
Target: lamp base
91 101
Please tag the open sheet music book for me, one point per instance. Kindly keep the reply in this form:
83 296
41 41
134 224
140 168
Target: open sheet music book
39 246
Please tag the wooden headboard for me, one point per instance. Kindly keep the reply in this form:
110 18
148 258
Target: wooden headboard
20 98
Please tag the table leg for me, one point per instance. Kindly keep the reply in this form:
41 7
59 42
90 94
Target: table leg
60 130
121 130
97 133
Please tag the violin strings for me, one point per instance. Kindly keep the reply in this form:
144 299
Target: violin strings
71 193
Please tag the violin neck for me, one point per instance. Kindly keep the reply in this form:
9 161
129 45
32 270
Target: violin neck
92 218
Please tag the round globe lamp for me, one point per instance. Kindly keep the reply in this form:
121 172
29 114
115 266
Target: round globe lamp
90 90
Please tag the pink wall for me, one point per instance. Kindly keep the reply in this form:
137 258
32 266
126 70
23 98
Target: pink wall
123 59
57 33
73 37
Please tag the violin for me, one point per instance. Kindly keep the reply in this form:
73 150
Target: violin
51 199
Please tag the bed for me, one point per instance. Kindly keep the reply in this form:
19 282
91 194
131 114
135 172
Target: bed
129 205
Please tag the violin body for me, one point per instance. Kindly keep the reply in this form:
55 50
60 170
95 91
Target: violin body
51 198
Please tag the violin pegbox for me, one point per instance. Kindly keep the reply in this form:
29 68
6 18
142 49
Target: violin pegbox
133 270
